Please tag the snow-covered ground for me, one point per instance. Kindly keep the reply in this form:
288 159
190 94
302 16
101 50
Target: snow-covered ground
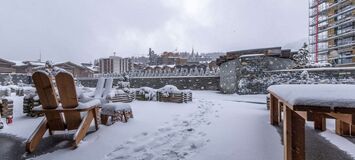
213 126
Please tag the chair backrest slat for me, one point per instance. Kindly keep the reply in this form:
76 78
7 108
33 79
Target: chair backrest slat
108 87
68 98
45 90
99 87
67 91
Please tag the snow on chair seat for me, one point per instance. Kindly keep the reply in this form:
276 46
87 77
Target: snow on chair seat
117 111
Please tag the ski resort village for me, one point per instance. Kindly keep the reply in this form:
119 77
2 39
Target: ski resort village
177 80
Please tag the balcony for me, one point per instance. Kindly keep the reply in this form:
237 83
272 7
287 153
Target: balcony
348 33
342 46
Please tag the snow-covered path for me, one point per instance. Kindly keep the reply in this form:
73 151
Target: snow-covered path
213 126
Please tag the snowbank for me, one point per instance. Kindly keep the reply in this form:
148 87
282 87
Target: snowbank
328 95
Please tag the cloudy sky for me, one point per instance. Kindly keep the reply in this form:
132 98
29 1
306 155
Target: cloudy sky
82 30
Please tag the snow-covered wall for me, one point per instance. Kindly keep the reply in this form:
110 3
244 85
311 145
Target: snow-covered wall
193 83
15 78
235 74
91 82
259 84
228 76
183 82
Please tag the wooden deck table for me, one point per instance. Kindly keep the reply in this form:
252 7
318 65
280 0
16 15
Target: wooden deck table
337 101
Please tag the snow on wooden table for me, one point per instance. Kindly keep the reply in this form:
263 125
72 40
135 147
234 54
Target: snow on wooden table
320 95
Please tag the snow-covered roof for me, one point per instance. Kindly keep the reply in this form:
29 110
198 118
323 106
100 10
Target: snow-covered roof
92 68
37 63
251 55
18 63
327 95
161 66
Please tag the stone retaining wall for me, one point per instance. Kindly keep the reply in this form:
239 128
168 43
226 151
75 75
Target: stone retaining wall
193 83
258 84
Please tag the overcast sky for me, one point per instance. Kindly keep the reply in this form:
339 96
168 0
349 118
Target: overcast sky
82 30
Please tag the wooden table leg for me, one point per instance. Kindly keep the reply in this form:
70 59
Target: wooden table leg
294 135
319 121
274 116
342 128
280 111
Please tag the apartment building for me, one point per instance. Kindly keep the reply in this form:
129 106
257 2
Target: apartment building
331 31
115 64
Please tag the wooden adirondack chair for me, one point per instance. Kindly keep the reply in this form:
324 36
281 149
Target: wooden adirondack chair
70 108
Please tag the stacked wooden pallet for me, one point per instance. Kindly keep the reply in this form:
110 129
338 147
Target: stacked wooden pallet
29 102
182 97
6 107
145 94
123 97
188 97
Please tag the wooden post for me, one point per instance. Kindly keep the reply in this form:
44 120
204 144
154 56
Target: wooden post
342 128
319 121
280 111
294 135
274 116
352 130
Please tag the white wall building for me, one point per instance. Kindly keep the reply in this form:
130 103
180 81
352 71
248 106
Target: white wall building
115 64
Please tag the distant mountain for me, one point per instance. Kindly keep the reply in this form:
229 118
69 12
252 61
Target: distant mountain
296 45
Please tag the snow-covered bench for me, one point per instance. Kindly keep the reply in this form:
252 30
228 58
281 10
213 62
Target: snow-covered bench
298 102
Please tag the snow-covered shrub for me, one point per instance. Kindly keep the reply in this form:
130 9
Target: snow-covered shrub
301 58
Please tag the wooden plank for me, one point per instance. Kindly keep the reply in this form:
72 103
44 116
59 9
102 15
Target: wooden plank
67 90
83 128
342 128
319 121
274 116
104 119
68 97
348 118
294 135
72 119
280 109
303 114
55 121
33 141
45 90
62 110
96 117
